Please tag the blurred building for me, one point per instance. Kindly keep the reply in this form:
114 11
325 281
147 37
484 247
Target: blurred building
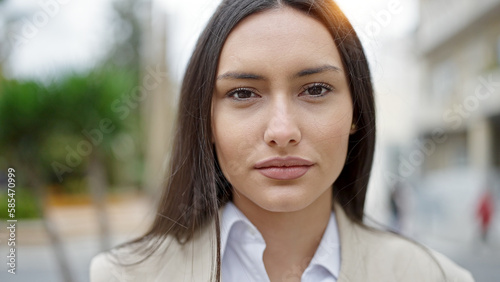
459 43
457 157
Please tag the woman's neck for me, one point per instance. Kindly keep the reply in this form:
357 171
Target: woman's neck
291 237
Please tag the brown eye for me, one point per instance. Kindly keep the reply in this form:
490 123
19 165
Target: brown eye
317 90
241 94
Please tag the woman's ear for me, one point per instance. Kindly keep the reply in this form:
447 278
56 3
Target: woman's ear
354 128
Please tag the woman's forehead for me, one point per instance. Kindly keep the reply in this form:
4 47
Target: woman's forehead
279 37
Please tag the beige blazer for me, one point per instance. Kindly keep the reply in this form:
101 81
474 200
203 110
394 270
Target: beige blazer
366 255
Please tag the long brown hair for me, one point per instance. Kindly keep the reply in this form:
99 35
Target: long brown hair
195 187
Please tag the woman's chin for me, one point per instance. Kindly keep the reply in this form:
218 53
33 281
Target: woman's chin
284 203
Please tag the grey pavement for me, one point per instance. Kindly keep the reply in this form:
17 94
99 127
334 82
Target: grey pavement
38 263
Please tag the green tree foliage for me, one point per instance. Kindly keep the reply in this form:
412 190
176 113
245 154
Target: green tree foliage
41 125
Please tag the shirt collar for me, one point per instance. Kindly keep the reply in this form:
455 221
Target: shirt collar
230 216
327 255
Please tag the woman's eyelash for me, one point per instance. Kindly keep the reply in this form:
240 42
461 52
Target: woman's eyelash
322 86
246 91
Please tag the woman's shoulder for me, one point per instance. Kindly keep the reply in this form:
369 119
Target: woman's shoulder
103 267
413 256
406 259
124 264
171 261
369 254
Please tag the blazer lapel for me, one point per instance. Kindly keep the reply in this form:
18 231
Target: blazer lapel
350 248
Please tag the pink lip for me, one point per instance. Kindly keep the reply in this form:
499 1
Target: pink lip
288 168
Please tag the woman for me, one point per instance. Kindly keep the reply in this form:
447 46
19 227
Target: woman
271 160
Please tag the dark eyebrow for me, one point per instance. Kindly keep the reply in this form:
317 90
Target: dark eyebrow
251 76
240 75
324 68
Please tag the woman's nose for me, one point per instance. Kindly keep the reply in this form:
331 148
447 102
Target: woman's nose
282 128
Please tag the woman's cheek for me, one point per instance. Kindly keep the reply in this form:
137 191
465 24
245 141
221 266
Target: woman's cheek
236 149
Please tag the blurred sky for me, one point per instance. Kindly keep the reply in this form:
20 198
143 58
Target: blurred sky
76 34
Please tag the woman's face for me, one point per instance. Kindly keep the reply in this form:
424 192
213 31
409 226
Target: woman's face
281 111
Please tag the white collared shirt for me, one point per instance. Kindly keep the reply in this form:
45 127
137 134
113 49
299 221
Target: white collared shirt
242 250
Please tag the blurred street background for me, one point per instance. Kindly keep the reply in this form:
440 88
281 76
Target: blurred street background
88 96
